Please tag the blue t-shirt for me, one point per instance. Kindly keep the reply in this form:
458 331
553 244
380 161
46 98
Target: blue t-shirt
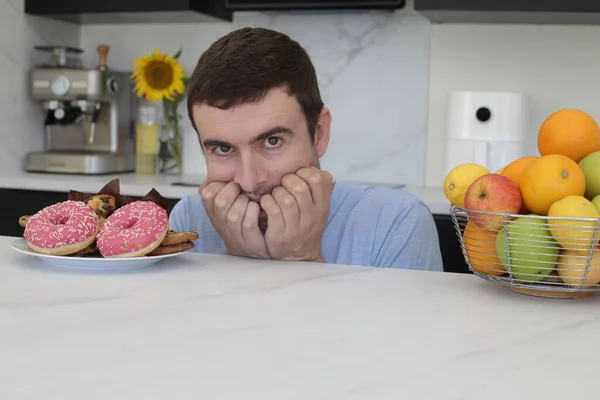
368 226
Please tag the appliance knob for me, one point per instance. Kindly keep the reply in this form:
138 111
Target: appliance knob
483 114
112 85
60 86
59 113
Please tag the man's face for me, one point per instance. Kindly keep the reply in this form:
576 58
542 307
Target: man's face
256 144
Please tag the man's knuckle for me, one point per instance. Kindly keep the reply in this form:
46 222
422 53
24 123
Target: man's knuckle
288 200
220 201
300 188
233 217
315 179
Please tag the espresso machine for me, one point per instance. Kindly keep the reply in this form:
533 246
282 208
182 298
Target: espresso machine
90 114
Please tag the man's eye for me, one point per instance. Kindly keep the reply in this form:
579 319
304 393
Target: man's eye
272 142
222 150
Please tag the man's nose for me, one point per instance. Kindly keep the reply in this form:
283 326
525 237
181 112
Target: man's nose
250 173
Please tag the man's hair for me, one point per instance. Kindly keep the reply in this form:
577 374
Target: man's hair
244 65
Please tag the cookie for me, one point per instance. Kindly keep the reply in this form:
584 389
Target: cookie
92 248
103 204
23 220
174 248
178 237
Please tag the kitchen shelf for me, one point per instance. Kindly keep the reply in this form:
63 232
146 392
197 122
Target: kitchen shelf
130 11
570 12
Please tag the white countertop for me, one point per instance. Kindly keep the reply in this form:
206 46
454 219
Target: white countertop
139 185
214 327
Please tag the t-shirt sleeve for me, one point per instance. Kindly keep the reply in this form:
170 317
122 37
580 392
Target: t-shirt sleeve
178 220
412 241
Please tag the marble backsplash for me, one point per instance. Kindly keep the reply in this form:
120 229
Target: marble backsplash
22 128
372 68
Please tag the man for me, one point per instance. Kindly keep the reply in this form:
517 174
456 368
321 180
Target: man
254 101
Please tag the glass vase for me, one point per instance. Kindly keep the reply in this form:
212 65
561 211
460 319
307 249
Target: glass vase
171 148
147 137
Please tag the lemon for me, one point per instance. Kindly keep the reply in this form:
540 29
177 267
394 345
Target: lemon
458 181
573 234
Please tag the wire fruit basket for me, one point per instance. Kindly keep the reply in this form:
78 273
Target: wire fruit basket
554 257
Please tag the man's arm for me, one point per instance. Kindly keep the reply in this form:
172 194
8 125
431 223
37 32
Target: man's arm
412 241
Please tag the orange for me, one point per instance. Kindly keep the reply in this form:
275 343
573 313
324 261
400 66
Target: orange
569 132
548 179
515 168
480 245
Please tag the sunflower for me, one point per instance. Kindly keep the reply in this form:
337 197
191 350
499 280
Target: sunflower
158 76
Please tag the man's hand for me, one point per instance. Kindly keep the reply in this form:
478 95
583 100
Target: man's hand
235 218
298 211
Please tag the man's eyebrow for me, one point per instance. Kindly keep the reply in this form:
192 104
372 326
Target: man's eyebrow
273 131
258 138
215 143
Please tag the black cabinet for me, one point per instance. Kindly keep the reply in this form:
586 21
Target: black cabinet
130 11
511 11
452 255
278 5
18 202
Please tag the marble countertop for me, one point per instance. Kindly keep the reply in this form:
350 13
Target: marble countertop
139 185
201 326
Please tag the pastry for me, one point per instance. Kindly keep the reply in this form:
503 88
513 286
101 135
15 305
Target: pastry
62 229
23 220
134 230
103 204
174 248
178 237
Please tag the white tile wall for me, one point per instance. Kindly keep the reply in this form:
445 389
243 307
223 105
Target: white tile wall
373 72
557 66
22 128
384 75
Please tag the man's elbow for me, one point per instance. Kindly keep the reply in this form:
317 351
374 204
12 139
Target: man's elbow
427 240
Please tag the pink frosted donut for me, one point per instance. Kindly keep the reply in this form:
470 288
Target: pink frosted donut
133 230
62 228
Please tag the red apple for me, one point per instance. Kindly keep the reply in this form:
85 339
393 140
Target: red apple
492 193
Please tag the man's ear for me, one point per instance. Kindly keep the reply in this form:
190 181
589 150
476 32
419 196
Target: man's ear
322 132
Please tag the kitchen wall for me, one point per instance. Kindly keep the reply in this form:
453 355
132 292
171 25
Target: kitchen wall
556 66
373 72
22 128
385 76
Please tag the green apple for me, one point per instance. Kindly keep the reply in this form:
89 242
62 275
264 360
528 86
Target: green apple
590 165
527 249
596 202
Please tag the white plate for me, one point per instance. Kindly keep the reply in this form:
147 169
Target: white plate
91 263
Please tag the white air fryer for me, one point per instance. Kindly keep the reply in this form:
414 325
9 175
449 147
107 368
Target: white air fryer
486 128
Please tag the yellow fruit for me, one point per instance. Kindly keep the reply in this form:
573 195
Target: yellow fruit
458 181
574 234
572 265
